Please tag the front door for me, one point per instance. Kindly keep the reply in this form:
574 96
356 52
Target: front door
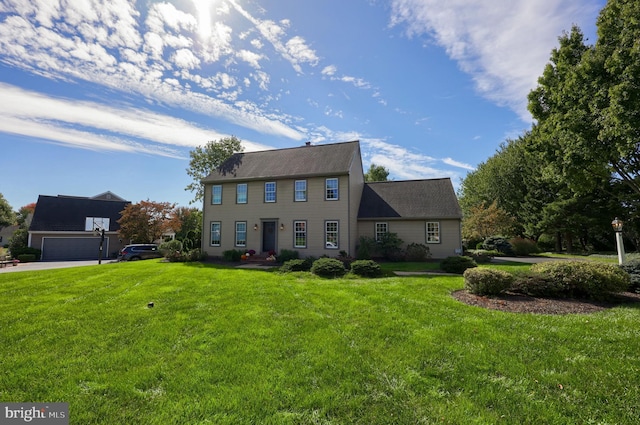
268 236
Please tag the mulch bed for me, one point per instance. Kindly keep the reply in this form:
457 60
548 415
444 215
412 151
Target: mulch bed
516 303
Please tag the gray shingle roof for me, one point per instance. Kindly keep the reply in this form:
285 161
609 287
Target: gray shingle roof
410 199
68 213
314 160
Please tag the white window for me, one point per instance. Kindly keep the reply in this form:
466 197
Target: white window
215 233
92 224
331 189
241 193
300 190
241 233
381 230
331 234
270 192
433 232
300 234
216 194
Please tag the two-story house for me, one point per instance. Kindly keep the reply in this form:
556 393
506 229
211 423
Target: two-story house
314 200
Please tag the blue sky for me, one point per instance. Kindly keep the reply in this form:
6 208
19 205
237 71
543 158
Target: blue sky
102 95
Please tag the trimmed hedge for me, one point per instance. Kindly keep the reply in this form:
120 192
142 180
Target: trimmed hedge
366 268
585 279
487 281
328 267
633 268
457 264
296 265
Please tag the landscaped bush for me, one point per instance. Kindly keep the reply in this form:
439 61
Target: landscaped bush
523 246
585 279
346 259
171 247
390 247
633 268
366 268
481 256
233 255
367 248
328 267
17 252
487 281
288 254
498 243
537 285
295 265
26 258
457 264
417 252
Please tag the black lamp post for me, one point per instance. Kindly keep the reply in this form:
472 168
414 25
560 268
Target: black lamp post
101 233
617 225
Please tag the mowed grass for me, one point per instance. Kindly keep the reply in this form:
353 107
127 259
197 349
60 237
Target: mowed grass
232 346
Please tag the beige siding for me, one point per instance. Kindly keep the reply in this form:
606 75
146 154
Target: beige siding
414 231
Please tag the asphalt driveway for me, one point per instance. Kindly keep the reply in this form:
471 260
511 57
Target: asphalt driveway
46 265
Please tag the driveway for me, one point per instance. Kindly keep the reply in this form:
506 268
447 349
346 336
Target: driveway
528 260
46 265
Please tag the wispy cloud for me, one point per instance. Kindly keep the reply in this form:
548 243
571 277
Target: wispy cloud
503 44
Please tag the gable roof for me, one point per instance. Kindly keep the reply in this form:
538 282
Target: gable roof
69 213
411 199
309 161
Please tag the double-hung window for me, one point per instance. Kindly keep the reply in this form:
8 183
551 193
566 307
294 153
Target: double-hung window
300 234
331 234
433 232
381 230
300 191
241 233
215 233
331 189
216 194
270 192
241 193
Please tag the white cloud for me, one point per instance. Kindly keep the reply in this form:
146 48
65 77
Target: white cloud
503 44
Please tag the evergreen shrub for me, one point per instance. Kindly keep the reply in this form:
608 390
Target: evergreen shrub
487 281
328 267
366 268
457 264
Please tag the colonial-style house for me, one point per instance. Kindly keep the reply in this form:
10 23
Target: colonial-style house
313 199
64 227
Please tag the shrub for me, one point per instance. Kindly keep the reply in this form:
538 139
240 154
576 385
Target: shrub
171 247
390 246
346 259
233 255
537 285
633 268
328 267
523 246
287 254
367 248
295 265
457 264
26 258
486 281
499 244
366 268
481 256
417 252
585 279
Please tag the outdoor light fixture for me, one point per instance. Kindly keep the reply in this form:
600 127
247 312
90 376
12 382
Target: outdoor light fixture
617 227
281 226
255 226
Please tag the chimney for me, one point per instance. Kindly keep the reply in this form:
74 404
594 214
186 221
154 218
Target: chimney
307 144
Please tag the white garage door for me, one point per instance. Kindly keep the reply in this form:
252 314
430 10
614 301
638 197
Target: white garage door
64 249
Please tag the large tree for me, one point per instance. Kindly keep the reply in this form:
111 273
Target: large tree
7 216
205 159
147 221
376 173
190 232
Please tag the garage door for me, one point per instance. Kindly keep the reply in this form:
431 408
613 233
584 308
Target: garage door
62 249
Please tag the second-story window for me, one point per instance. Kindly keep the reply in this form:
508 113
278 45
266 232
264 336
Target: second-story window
331 187
216 194
241 193
270 192
300 190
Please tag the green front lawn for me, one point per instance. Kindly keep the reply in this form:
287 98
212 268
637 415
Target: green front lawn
229 346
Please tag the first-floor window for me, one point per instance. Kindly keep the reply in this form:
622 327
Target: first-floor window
433 232
331 234
215 233
381 230
241 233
300 234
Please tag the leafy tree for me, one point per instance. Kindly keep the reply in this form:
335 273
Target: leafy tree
24 212
147 221
205 159
482 222
190 232
7 216
376 173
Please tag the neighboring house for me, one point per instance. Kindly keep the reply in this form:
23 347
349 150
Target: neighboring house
64 227
313 199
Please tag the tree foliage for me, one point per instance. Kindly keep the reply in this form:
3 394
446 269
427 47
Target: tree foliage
147 221
7 216
205 159
190 232
483 221
376 173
